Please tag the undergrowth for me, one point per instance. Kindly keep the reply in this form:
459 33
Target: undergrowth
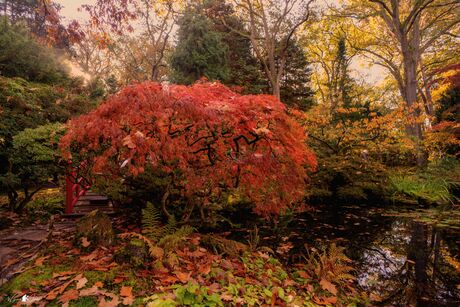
437 184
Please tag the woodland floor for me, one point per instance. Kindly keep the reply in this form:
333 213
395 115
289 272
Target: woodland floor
55 271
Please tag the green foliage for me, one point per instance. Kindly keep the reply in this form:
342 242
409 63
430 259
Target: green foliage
44 206
22 56
151 222
38 147
173 239
329 264
434 185
34 161
245 70
26 160
167 236
432 190
200 52
160 239
190 294
195 295
449 105
295 85
345 178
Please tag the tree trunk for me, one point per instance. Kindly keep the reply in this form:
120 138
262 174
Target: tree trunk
418 254
12 198
414 128
277 90
164 201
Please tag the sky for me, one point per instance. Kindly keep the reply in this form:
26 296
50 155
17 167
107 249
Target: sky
70 11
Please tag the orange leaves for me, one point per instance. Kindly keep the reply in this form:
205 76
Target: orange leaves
52 295
327 285
127 294
325 300
215 137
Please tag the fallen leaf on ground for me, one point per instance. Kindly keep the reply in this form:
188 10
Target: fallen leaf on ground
326 285
94 290
226 297
119 279
112 303
81 282
68 296
11 262
183 277
126 291
89 257
99 284
60 274
325 300
39 261
304 274
58 290
85 242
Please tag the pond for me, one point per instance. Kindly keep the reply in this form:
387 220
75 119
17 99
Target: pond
402 257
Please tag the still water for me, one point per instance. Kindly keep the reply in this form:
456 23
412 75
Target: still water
405 258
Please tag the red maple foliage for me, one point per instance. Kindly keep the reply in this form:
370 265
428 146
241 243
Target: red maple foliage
219 140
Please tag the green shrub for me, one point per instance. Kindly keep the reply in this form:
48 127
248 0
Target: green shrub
22 56
434 185
42 208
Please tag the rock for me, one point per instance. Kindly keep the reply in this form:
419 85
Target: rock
94 229
134 253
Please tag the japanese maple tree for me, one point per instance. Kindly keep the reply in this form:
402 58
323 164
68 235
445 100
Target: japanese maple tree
220 142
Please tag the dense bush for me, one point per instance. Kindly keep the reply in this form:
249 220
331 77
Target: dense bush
34 162
355 147
28 105
210 144
22 56
439 183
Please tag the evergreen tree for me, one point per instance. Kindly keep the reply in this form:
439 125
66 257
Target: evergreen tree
344 86
21 56
295 85
245 71
200 52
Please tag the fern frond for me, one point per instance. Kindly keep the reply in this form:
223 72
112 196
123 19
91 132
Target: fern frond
151 222
170 227
154 251
171 241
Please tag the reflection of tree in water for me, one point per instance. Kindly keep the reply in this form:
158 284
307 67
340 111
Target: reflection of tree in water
404 263
411 265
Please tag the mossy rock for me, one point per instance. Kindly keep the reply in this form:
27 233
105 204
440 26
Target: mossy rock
223 246
134 253
351 193
94 229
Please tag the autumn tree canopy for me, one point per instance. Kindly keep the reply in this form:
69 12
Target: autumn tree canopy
210 141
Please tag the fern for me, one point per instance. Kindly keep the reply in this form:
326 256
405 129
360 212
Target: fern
151 222
331 265
154 251
171 241
167 237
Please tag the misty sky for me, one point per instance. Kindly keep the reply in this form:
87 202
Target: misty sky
70 11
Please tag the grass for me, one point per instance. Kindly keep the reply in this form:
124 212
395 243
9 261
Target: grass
433 185
430 189
37 275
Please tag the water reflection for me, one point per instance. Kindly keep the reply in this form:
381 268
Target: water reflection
411 264
400 261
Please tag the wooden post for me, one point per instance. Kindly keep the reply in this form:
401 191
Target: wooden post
68 195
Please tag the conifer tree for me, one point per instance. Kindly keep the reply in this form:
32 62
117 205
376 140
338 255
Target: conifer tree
200 52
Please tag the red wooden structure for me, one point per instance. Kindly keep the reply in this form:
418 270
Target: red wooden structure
74 190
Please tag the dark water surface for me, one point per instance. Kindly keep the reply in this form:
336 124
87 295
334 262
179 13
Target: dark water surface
405 259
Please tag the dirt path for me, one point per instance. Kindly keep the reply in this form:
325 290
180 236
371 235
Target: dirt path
20 244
